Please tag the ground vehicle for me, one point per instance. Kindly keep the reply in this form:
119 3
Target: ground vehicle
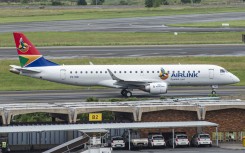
117 142
135 140
201 139
156 141
179 140
95 140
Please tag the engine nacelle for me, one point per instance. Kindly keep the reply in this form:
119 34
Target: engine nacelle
157 88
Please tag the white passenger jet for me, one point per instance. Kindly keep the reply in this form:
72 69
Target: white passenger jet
154 79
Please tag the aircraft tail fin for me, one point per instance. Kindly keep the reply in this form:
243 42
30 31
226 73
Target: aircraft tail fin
29 56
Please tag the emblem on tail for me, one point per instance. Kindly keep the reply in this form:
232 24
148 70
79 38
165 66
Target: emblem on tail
29 56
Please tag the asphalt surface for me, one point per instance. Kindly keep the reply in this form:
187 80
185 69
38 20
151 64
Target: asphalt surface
133 51
137 24
64 96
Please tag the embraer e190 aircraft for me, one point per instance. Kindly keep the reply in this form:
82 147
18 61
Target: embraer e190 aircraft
154 79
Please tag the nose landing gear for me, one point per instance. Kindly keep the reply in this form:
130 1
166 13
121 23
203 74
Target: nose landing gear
214 87
126 93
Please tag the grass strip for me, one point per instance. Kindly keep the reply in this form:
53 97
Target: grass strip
13 15
12 82
123 38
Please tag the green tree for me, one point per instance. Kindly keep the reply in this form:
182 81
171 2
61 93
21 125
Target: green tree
153 3
165 2
97 2
25 1
81 2
197 1
185 1
157 3
148 3
191 1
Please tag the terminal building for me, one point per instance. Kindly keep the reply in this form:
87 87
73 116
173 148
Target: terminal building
229 115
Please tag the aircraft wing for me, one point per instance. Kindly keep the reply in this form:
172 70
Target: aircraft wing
17 69
128 82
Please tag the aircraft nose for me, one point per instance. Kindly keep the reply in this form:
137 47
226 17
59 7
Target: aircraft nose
236 79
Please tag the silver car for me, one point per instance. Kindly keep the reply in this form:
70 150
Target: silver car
201 139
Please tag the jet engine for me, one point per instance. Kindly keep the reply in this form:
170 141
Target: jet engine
157 88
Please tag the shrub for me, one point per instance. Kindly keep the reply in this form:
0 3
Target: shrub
122 2
25 1
99 2
56 3
92 99
81 2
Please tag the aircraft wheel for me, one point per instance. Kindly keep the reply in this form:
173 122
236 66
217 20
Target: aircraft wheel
213 92
123 92
128 94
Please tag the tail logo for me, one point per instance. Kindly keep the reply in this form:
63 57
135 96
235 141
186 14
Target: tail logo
23 47
163 74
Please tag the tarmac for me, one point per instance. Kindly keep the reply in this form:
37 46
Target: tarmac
232 146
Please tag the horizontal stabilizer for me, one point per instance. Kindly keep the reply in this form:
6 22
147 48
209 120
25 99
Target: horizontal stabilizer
18 69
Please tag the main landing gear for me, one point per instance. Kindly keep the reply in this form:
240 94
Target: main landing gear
214 87
126 93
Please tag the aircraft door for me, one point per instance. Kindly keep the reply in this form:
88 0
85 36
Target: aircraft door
211 73
63 74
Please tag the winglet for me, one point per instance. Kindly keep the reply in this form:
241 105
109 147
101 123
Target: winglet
113 76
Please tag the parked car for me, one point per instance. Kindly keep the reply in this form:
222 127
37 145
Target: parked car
135 140
117 142
201 139
179 140
156 141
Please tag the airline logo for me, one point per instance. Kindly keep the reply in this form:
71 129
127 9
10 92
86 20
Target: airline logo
185 74
23 47
163 74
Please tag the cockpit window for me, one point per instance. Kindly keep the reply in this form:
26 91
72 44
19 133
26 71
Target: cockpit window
222 71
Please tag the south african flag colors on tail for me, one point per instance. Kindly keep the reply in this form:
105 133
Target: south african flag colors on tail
29 56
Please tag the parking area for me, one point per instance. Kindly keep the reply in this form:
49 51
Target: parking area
182 150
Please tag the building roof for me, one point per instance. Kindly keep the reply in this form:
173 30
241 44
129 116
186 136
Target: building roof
134 125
